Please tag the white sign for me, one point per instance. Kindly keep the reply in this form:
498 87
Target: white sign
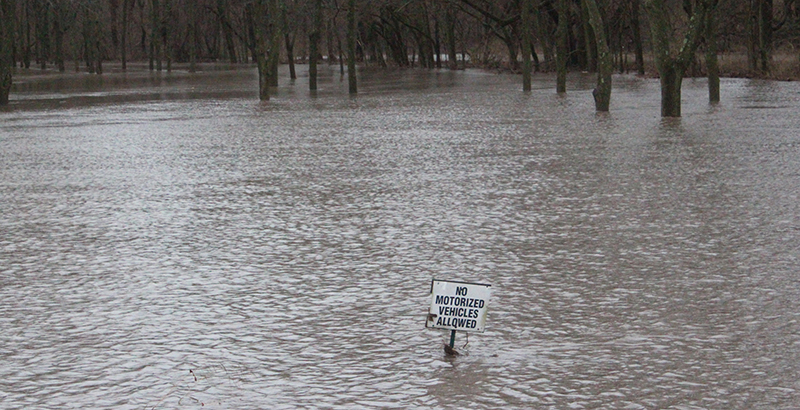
458 306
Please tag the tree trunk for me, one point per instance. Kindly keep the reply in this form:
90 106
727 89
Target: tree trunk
289 42
7 19
333 40
562 41
602 94
671 67
113 7
42 32
192 39
26 53
545 38
525 14
341 54
752 28
671 81
591 41
351 47
637 36
227 30
123 45
275 42
313 46
765 34
437 43
155 37
260 37
58 34
711 57
452 55
165 33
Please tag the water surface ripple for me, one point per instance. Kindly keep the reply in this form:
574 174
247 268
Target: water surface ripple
168 242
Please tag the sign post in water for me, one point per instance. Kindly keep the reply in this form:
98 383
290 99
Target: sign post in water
458 306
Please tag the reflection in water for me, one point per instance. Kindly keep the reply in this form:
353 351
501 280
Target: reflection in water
171 242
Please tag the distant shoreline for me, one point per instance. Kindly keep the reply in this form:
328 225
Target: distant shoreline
785 67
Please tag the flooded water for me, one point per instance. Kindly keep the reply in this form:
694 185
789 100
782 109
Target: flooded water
168 241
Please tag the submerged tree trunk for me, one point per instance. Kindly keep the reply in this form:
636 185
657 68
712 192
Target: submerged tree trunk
671 81
351 47
42 10
313 46
259 27
155 37
289 42
637 37
590 40
166 31
274 41
58 34
765 34
227 30
672 66
123 49
525 14
7 19
562 42
192 39
113 7
751 27
452 55
711 57
602 94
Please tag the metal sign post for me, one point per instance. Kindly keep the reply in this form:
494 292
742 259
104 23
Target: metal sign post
458 306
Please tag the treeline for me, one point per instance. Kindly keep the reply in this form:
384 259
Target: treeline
519 35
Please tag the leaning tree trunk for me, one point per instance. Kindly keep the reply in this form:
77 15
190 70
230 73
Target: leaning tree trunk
602 94
351 47
562 42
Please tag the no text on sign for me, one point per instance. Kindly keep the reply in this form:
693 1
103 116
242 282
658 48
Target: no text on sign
458 305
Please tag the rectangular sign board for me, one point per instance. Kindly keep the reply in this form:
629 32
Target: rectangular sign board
458 306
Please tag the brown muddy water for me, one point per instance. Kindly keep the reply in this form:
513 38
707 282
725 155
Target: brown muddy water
168 241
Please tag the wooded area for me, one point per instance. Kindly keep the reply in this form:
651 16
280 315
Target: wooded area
650 37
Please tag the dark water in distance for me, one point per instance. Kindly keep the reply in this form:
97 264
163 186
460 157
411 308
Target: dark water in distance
168 241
